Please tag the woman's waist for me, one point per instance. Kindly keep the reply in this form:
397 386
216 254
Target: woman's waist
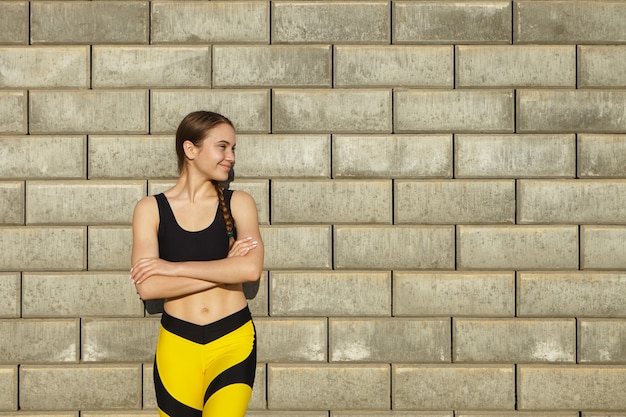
207 306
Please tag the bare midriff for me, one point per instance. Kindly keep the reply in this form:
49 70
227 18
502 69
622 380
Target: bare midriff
207 306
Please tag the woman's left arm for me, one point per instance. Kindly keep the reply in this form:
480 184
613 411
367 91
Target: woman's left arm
243 264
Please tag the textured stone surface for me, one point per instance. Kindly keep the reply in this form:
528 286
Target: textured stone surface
45 67
429 386
453 110
87 22
336 110
439 186
515 156
515 66
571 294
517 247
454 202
566 387
569 22
452 22
331 22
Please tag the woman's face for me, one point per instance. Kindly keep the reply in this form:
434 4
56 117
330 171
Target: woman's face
215 156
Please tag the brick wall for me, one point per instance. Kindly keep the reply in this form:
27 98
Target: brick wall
441 189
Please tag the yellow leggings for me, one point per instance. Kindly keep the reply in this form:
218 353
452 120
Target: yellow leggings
205 371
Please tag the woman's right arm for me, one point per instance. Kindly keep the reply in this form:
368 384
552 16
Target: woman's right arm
146 245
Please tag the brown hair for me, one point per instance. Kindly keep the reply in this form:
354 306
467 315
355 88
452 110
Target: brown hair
194 128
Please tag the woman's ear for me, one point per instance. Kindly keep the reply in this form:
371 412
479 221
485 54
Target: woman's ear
189 149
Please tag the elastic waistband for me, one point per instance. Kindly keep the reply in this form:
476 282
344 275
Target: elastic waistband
206 333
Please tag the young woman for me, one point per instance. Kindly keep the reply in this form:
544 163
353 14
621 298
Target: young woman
194 245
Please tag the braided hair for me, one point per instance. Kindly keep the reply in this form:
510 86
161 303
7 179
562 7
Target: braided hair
193 128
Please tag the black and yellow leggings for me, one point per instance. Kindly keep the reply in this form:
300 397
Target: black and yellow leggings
205 371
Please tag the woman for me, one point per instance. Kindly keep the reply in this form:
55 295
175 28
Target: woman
186 250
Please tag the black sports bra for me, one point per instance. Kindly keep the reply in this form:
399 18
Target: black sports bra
178 244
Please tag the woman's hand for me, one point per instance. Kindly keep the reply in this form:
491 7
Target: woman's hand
242 247
144 268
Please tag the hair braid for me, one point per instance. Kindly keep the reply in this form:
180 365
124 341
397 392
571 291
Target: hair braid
228 219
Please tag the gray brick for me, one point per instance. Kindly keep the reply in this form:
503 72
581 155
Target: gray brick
515 66
390 340
456 22
82 202
148 394
514 156
79 294
45 67
600 414
258 296
109 247
40 414
260 191
10 294
581 111
571 202
331 22
286 413
390 414
8 388
518 414
12 202
13 112
453 111
289 340
49 248
297 247
276 156
603 247
392 156
514 340
399 247
151 66
601 341
517 247
298 387
571 294
602 156
14 22
454 202
272 66
332 110
132 156
115 340
601 66
39 341
81 111
138 413
457 294
569 22
330 293
249 110
331 202
85 387
427 387
86 22
571 387
259 389
393 66
43 157
192 22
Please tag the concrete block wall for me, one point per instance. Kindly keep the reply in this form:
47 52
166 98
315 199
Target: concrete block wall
441 189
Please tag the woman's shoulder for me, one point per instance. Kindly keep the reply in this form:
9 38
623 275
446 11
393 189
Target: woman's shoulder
241 201
147 205
240 197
